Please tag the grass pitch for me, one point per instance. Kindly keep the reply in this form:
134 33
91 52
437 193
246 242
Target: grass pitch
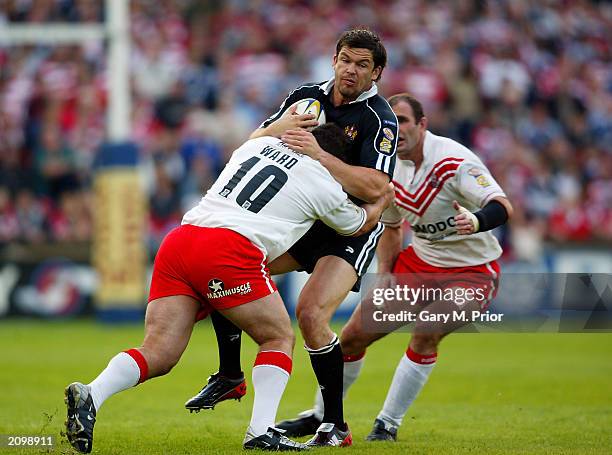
489 393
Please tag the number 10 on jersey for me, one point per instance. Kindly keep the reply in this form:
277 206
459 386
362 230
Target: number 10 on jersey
260 189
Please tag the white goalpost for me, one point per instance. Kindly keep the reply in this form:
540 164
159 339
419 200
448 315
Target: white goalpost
118 252
116 31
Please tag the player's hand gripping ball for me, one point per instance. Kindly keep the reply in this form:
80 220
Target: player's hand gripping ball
309 106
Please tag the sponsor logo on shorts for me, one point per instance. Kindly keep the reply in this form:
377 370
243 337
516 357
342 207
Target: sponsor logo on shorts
216 285
241 289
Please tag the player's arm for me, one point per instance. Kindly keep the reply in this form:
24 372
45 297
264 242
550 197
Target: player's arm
349 219
391 241
346 219
389 248
494 214
476 184
288 121
374 211
364 183
285 119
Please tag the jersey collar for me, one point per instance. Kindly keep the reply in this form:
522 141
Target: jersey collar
427 147
426 153
327 88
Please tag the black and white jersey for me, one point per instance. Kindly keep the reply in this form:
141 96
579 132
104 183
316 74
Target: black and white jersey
369 122
273 195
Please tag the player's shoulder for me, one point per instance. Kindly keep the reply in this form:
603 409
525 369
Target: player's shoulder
309 90
318 178
379 107
258 142
379 103
443 147
313 185
252 147
263 140
316 170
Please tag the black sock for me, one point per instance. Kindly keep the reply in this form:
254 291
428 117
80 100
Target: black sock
228 341
328 366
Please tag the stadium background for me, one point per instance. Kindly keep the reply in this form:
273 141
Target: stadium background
526 85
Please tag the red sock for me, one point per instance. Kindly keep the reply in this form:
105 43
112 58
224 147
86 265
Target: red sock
353 358
426 359
274 358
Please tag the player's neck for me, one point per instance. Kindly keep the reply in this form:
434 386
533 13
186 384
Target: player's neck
415 155
418 160
338 98
418 154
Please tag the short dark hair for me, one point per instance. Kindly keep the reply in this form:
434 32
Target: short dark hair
417 107
364 39
332 139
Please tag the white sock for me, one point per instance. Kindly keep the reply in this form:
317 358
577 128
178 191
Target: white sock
409 378
270 376
121 373
352 368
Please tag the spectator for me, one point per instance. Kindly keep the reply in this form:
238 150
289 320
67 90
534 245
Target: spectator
71 221
526 85
55 163
31 217
164 206
9 227
538 129
569 222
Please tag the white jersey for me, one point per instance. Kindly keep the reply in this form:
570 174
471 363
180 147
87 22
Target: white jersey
449 172
272 196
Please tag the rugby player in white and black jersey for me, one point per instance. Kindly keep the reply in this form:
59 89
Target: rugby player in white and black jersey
350 99
265 199
452 203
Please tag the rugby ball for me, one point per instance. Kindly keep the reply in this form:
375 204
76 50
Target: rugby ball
310 106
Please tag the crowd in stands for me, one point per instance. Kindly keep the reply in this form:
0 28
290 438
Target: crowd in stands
527 85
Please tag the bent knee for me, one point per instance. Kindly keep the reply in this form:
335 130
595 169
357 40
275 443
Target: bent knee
353 341
309 321
276 333
352 346
288 336
160 361
425 343
282 340
310 307
310 300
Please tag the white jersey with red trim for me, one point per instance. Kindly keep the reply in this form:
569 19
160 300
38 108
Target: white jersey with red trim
449 171
272 196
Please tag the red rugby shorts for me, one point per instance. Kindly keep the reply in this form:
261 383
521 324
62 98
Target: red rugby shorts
418 272
218 267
